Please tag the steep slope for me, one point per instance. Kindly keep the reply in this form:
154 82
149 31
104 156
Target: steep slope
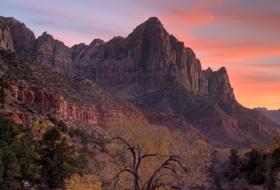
33 91
154 71
273 115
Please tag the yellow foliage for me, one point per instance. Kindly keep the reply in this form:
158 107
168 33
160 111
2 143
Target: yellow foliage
155 139
38 128
86 182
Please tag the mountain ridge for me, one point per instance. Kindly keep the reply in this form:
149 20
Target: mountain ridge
155 72
274 115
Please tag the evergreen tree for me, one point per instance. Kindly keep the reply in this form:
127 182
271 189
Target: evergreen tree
234 165
3 87
214 174
18 156
57 158
10 170
255 168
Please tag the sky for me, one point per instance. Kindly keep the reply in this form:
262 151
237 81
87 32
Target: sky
242 35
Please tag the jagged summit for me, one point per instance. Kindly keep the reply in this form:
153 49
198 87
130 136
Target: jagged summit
223 69
11 20
153 22
97 42
23 39
45 33
151 27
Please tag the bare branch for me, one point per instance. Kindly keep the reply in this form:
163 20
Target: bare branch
168 167
149 155
174 159
135 156
116 177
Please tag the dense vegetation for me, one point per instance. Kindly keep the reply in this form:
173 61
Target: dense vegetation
43 157
26 161
257 168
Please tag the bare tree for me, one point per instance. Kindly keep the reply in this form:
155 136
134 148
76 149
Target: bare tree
169 166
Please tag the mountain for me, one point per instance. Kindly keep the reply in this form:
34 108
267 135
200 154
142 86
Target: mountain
149 71
273 115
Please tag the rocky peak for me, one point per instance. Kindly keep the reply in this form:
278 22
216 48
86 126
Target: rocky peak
161 58
209 70
219 86
97 42
152 24
148 59
76 50
6 41
153 21
53 53
46 36
23 38
152 29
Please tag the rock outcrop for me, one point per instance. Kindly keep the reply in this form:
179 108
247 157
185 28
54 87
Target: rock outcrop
22 37
15 36
53 53
219 86
6 41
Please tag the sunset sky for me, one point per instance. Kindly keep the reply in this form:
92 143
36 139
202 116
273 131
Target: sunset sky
242 35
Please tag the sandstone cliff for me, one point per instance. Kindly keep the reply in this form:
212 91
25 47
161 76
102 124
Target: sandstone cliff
34 91
6 41
23 38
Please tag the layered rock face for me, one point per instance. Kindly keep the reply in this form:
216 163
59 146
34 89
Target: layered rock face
148 59
34 91
22 37
53 53
6 41
152 70
55 104
45 49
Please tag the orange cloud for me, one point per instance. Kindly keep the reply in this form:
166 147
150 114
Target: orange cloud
194 18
